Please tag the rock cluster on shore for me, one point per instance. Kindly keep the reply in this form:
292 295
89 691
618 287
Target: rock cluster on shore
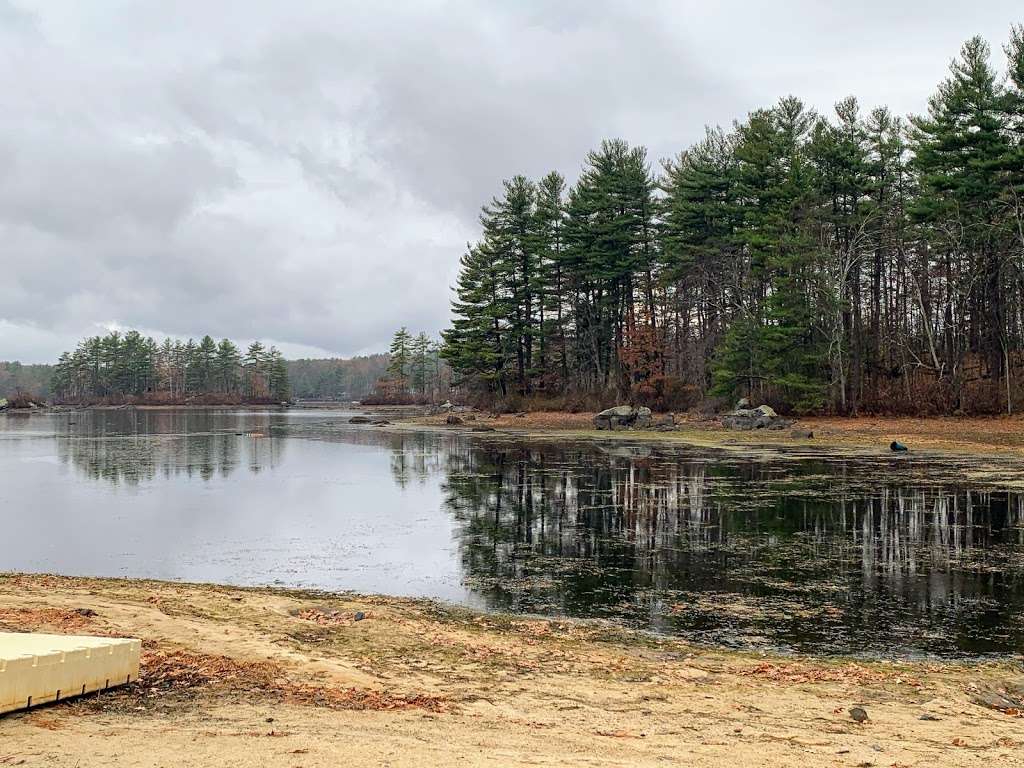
745 418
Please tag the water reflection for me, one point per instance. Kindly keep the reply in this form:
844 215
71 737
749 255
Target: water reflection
132 446
805 552
809 555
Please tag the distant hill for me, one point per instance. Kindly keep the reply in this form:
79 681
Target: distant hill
336 378
34 379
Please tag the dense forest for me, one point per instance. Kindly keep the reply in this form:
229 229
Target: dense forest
855 262
17 377
129 367
336 378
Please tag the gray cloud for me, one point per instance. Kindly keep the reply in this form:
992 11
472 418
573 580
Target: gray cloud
309 173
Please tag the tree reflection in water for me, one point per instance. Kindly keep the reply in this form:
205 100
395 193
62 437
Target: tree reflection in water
132 446
836 555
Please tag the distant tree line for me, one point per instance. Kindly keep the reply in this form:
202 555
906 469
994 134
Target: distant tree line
851 263
336 378
416 373
119 366
31 379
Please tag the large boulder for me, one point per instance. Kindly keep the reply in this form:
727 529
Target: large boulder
619 417
628 417
642 419
622 411
762 417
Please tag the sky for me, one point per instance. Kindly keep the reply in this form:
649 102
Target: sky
309 173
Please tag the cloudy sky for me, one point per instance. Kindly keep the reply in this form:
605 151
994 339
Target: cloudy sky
309 172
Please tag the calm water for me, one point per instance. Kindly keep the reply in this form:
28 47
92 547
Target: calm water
884 555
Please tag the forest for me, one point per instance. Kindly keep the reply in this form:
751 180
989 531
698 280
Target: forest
33 379
336 378
854 262
127 367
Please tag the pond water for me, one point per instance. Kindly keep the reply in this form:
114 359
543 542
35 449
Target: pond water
803 551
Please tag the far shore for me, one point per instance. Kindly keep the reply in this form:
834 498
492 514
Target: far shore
282 678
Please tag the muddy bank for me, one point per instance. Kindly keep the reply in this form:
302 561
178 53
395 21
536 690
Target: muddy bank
265 677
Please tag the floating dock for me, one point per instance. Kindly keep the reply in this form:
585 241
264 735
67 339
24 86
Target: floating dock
39 669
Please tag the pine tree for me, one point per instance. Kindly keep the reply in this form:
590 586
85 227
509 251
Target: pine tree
277 376
255 370
401 357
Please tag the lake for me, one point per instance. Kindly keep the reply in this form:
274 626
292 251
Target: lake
797 551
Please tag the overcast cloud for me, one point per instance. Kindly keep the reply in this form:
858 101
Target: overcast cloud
309 173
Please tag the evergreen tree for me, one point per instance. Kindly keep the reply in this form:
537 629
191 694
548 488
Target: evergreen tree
401 355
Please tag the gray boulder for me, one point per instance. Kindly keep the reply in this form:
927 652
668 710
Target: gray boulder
622 411
762 417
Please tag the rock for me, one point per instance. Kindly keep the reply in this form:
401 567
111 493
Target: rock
87 612
614 418
643 411
360 420
452 420
482 428
998 700
622 411
762 417
743 404
742 419
3 404
359 616
897 447
380 422
667 420
521 415
805 434
859 714
927 716
447 405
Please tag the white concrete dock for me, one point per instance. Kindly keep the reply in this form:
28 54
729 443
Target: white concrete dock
37 669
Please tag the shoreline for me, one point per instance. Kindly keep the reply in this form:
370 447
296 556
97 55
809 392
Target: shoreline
294 676
992 436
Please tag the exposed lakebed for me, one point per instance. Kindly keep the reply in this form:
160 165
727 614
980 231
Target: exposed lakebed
806 551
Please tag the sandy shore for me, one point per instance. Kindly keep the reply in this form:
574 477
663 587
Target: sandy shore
259 677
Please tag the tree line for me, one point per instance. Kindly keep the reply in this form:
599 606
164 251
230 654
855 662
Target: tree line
30 379
854 262
336 378
120 366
